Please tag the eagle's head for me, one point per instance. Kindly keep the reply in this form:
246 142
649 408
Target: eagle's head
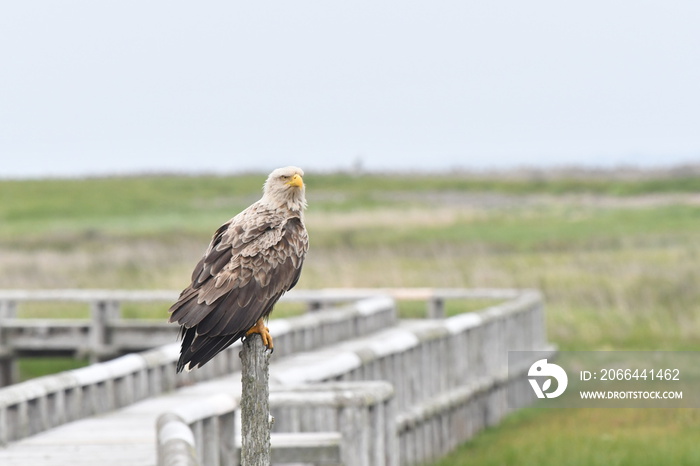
285 188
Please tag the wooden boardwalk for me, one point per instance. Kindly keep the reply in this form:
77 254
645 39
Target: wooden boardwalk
128 436
444 372
123 437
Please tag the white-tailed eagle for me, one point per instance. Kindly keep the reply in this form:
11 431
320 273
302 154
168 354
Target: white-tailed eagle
252 260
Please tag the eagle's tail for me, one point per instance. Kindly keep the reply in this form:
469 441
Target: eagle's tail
197 350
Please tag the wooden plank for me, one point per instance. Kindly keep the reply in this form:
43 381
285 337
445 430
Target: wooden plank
79 455
113 429
314 447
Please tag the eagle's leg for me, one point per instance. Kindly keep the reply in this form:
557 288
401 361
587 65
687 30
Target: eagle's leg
264 332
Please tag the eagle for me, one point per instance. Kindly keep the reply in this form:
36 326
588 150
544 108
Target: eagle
252 260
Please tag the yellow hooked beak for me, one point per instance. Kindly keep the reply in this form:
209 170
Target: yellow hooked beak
296 181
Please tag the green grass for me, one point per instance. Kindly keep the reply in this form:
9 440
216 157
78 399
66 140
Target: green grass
30 368
617 273
568 184
53 310
419 310
544 230
586 437
157 204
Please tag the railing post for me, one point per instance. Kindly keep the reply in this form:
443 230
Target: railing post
436 308
255 403
314 306
353 425
391 438
9 372
103 312
8 309
227 445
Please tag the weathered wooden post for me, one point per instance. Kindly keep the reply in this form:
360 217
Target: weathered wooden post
255 403
436 308
103 312
9 372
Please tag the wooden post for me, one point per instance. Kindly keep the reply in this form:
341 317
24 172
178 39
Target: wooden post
314 306
8 309
436 308
104 312
9 371
255 403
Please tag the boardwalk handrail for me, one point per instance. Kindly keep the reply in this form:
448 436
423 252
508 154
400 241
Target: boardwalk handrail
450 377
428 362
39 404
517 324
9 299
451 372
106 334
205 433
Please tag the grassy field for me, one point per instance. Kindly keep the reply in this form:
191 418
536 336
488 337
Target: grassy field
616 257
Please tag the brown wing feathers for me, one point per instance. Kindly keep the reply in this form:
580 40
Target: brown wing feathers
245 270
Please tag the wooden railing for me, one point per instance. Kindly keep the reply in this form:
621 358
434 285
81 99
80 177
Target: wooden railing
39 404
441 370
354 422
449 375
450 379
106 334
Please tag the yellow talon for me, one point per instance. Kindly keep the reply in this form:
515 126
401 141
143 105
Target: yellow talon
264 333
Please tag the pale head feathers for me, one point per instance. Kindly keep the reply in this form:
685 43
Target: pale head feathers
285 188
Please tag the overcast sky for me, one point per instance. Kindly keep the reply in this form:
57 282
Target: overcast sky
130 86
